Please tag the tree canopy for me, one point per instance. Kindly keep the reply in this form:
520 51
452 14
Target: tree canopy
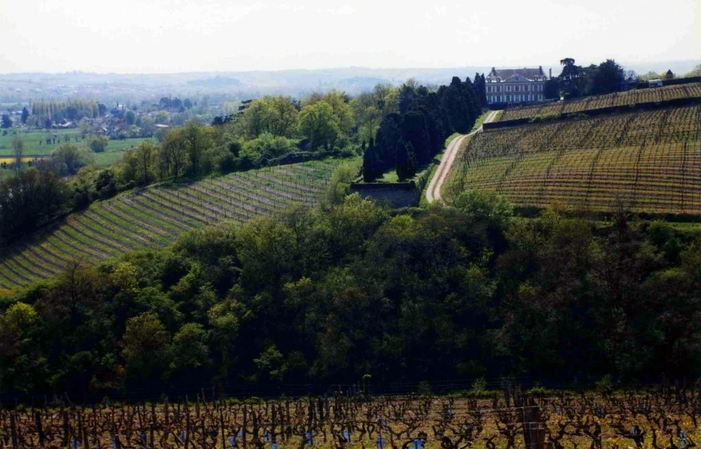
323 297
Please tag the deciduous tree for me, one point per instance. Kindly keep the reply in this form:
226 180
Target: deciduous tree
18 150
320 125
608 77
173 155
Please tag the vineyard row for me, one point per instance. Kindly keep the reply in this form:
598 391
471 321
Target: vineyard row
616 99
155 216
665 417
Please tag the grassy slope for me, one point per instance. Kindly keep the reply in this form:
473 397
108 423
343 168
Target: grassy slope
155 216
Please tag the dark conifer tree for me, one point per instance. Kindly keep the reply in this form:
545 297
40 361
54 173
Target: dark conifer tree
406 161
414 131
370 163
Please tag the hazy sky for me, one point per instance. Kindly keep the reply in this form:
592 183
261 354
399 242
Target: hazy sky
157 36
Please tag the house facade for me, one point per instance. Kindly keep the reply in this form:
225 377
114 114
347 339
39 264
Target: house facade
515 85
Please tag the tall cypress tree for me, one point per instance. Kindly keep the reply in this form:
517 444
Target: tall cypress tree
406 161
480 86
370 162
414 131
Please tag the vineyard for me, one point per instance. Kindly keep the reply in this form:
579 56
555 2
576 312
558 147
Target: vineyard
647 161
156 216
616 99
664 418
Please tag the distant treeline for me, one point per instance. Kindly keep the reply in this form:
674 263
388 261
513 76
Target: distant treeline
327 296
72 110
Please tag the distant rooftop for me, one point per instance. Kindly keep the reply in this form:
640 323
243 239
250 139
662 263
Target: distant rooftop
505 74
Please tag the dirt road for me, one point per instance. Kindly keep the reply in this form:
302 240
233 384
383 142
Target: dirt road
433 192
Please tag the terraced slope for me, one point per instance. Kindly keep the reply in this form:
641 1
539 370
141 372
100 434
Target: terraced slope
617 99
647 161
156 216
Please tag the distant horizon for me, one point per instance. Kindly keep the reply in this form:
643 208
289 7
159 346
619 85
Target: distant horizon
625 64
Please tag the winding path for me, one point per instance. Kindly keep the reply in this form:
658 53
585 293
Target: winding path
433 192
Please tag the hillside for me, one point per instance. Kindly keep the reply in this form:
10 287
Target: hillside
156 216
648 161
616 99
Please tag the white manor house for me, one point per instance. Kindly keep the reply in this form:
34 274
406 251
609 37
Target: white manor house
515 85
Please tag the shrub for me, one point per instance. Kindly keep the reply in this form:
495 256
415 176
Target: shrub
98 144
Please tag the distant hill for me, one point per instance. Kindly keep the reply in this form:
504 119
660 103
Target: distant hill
297 83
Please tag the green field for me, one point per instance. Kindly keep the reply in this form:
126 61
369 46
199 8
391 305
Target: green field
155 216
35 144
644 161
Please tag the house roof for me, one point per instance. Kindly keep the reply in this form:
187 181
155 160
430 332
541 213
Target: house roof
527 73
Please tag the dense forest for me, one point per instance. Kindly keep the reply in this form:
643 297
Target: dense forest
329 295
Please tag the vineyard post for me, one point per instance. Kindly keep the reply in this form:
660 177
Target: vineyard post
66 443
94 426
37 417
310 412
86 440
152 436
532 423
283 422
153 424
223 430
254 432
114 429
79 435
272 425
287 417
204 433
13 429
187 426
245 423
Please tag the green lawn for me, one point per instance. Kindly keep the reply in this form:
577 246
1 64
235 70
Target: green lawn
35 140
35 144
479 122
390 176
115 149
